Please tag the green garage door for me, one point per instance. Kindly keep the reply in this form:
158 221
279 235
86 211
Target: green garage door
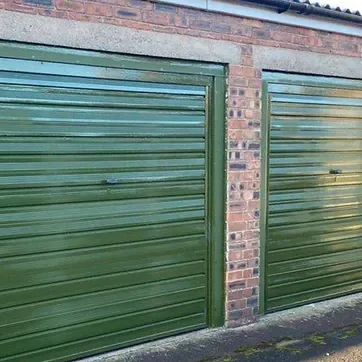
313 218
105 189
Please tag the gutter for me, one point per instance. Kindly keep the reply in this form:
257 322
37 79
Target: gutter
283 6
253 9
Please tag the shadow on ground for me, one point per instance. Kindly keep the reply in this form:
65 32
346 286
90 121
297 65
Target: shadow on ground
329 332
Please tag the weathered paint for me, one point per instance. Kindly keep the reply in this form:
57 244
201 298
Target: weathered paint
111 227
312 211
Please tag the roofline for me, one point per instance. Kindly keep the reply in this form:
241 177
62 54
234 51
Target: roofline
242 8
283 6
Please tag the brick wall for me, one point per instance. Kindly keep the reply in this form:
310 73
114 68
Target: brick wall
244 109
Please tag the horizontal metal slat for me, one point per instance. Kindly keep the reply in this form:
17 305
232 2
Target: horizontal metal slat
104 59
98 344
315 181
311 110
330 280
97 98
94 284
13 182
312 250
321 205
314 91
313 81
321 134
104 308
311 159
94 239
55 267
319 238
69 304
97 328
58 167
30 214
310 146
102 130
91 71
55 146
324 261
99 103
313 273
107 116
315 215
316 99
64 82
60 195
319 294
70 226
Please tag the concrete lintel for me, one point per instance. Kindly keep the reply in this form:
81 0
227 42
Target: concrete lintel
97 36
288 60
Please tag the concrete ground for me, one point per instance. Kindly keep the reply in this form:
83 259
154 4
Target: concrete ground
327 332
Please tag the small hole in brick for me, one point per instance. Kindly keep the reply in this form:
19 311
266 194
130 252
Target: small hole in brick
231 113
241 92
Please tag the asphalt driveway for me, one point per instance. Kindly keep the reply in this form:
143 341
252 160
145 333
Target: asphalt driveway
328 332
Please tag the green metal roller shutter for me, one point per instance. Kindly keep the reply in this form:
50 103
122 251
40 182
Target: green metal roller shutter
313 214
104 230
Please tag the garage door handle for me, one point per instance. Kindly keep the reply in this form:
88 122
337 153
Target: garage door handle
335 172
111 181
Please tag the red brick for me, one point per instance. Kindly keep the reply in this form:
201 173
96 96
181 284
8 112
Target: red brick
158 18
20 8
237 305
127 13
54 13
143 4
238 70
70 5
237 226
98 9
252 282
237 275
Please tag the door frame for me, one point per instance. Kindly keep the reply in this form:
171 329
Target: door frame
264 192
41 59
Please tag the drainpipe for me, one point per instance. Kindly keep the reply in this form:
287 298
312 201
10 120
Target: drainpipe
283 6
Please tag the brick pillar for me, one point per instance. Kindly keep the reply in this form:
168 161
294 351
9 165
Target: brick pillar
244 120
